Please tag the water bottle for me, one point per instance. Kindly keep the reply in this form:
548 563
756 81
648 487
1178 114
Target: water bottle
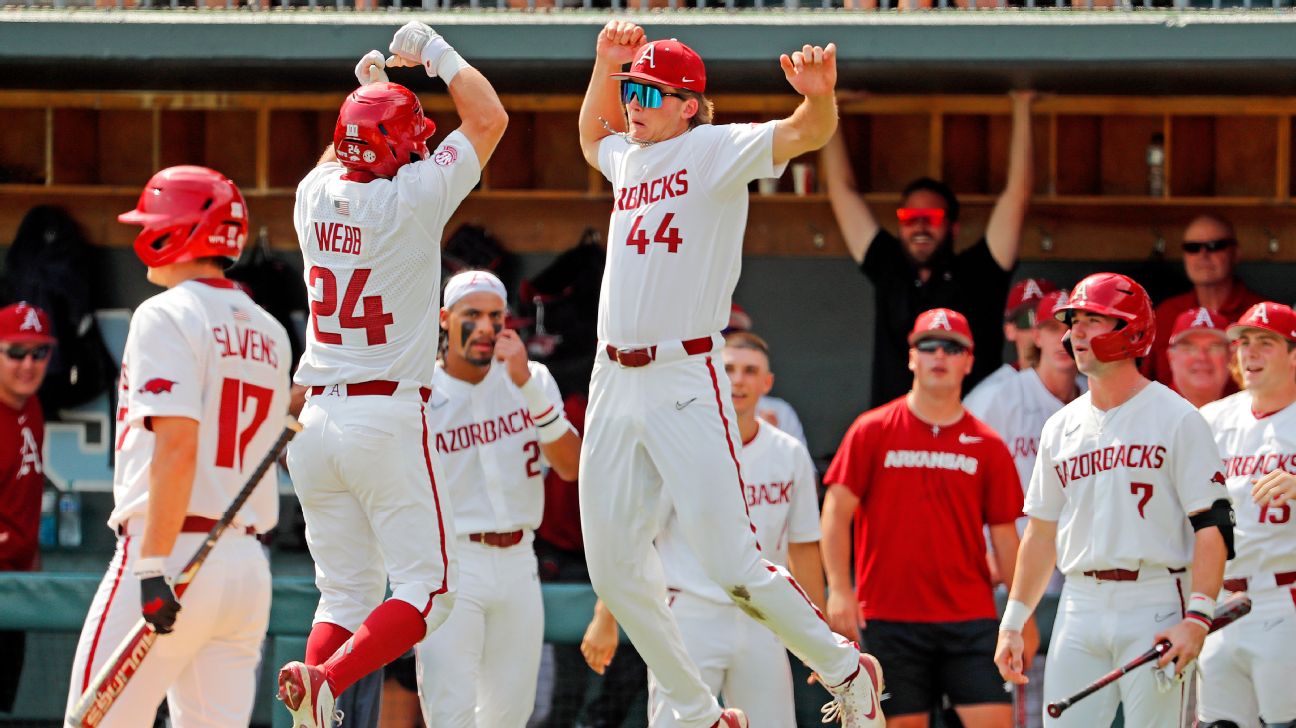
1156 165
48 533
69 520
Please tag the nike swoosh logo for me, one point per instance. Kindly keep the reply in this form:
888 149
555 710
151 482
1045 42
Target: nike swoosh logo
1164 617
1270 624
686 80
682 405
439 405
968 439
1072 430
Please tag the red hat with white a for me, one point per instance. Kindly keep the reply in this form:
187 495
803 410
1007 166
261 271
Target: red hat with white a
668 63
1198 320
1269 316
1027 292
1050 301
23 322
941 323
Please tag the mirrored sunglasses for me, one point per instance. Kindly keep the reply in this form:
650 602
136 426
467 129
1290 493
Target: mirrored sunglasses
1210 246
650 97
17 352
933 216
931 346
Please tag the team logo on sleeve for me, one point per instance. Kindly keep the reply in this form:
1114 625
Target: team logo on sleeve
157 385
446 156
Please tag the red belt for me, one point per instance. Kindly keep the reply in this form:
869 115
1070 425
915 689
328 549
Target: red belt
1240 584
627 357
1121 574
192 524
498 540
378 388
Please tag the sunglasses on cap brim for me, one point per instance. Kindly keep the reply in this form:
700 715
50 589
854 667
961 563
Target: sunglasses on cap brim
18 352
932 345
911 215
650 97
1210 246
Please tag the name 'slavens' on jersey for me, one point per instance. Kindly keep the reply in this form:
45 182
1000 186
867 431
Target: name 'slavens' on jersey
675 237
372 255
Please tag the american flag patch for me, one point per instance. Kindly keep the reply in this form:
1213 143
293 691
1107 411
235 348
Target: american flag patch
240 314
342 206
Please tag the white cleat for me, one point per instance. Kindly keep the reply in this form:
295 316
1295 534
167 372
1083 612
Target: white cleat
857 702
307 695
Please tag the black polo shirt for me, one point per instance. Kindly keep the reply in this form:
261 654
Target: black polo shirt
970 282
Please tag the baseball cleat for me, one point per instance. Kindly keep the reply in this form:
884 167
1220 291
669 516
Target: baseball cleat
731 718
307 695
857 702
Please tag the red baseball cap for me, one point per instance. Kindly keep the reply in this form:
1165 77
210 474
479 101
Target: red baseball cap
1049 302
1269 316
1026 292
941 323
1198 320
668 63
24 322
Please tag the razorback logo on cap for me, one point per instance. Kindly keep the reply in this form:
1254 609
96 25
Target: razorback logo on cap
938 320
1203 319
31 322
1259 313
1078 295
157 385
1031 290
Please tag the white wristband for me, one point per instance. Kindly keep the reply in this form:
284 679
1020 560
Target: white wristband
147 568
1199 602
1015 615
450 65
549 419
441 59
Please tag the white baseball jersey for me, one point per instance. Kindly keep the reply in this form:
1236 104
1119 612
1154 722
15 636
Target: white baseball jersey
675 238
788 421
993 379
781 499
1016 406
488 448
1250 447
1121 482
372 263
205 351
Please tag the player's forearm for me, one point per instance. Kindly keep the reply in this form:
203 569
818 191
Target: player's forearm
601 101
809 127
1036 557
563 455
836 547
483 115
171 475
1004 545
806 566
1209 556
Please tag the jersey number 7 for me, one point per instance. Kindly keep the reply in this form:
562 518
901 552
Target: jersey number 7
373 319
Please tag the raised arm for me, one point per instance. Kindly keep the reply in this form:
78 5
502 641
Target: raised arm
856 221
812 72
616 46
1003 233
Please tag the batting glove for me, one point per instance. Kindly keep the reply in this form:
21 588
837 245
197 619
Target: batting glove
158 602
416 44
370 68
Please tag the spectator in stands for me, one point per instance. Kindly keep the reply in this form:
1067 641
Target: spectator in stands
774 410
26 344
1199 354
1210 253
1018 328
920 270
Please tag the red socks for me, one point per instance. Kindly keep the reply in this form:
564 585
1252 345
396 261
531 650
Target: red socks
391 629
324 640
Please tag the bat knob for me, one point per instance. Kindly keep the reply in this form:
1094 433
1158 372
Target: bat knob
1055 710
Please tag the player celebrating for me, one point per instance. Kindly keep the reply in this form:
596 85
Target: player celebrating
204 387
1245 675
660 419
1125 497
492 426
369 220
737 657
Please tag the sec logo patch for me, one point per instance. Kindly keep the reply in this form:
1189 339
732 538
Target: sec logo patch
369 156
446 156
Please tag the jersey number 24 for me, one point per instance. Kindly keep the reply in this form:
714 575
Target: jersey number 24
371 317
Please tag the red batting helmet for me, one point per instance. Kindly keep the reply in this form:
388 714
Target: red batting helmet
188 213
1118 296
380 128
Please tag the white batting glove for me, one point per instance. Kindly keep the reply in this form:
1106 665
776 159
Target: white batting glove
370 68
414 43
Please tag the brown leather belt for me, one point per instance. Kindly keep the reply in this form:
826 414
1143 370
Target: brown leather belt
1241 583
191 524
498 540
628 357
375 388
1122 574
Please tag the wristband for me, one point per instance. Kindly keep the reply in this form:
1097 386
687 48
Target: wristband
549 419
1203 605
1015 615
149 567
441 59
1199 619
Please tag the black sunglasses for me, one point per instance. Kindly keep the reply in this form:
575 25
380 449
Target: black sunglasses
39 352
930 346
1210 246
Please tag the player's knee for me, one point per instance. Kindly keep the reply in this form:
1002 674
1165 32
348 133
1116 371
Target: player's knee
1219 724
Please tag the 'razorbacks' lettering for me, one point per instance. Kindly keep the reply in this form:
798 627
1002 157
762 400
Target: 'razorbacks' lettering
674 184
337 237
930 459
484 432
770 494
246 343
1024 447
1107 458
1259 464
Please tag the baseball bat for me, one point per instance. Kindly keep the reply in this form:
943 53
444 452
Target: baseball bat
124 662
1237 606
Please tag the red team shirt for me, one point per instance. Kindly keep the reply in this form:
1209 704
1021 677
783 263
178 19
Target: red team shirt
925 492
22 437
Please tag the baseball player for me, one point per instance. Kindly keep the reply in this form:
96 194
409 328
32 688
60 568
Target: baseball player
1244 680
495 419
203 393
1198 355
1019 320
660 422
369 221
737 657
1125 498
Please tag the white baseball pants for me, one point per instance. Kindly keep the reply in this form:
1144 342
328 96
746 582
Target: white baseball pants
480 669
206 668
668 431
1245 671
